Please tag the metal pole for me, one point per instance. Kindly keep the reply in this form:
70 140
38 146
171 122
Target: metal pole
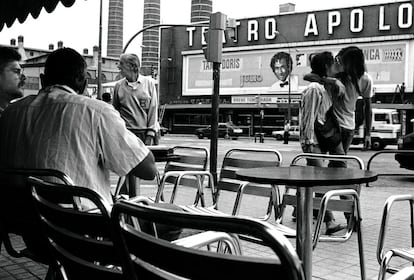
214 120
99 89
289 89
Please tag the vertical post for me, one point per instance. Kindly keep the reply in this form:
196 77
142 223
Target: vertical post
214 120
213 54
99 85
289 90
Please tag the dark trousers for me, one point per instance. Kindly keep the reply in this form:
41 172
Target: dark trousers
286 137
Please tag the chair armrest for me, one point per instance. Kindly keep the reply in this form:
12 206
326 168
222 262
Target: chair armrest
404 274
182 174
209 237
384 221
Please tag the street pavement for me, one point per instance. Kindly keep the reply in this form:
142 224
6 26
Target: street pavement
331 260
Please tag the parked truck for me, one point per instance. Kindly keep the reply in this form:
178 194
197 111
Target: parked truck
385 129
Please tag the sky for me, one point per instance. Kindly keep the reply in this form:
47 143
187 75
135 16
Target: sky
78 26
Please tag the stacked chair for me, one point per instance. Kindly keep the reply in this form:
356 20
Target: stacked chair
80 236
146 257
17 215
86 243
234 160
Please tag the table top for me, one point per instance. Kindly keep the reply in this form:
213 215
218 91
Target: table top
162 153
306 175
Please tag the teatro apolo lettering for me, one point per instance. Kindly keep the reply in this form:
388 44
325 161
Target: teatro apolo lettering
356 20
266 30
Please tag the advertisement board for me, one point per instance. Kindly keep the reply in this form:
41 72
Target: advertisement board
267 71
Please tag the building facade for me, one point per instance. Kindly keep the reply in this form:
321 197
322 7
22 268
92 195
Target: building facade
33 61
250 92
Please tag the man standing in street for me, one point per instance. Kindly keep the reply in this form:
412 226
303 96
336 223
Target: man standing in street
11 76
135 97
286 133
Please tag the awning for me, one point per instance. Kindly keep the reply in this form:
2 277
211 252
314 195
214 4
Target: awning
10 10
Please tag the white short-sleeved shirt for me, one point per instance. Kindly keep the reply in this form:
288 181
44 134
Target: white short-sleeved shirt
344 106
59 129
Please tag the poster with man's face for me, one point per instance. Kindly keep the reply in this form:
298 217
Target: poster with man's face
281 64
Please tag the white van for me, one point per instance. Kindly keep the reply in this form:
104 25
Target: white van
385 129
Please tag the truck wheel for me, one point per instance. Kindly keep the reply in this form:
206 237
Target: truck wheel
377 144
279 137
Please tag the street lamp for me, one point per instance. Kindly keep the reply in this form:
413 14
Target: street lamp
290 73
160 25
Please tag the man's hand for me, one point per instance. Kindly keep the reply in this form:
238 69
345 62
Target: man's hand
367 142
149 140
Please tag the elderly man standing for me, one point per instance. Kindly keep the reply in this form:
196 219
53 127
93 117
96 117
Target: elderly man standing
11 76
135 97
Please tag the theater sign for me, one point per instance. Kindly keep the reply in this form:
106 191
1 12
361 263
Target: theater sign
385 32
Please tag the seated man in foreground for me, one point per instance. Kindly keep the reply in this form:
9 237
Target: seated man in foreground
61 129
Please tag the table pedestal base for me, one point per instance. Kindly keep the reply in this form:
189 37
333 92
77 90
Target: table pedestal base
304 209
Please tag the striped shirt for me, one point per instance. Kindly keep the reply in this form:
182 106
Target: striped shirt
59 129
137 103
316 101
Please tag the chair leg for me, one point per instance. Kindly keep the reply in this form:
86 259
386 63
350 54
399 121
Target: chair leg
360 240
384 264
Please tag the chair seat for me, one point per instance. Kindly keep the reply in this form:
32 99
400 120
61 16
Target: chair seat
405 253
286 231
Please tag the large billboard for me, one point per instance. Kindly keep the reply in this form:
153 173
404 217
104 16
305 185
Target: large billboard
268 72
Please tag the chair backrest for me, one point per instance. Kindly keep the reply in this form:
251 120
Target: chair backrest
16 208
152 258
335 205
236 159
79 239
188 159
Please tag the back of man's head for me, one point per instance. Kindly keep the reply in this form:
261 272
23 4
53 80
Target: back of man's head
65 66
8 55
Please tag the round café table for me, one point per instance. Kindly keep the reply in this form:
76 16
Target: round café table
304 178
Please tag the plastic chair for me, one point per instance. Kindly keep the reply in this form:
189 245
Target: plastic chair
16 209
147 257
383 257
80 238
351 206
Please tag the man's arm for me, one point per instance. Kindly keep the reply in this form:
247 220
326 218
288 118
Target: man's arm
366 88
115 99
146 169
120 150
